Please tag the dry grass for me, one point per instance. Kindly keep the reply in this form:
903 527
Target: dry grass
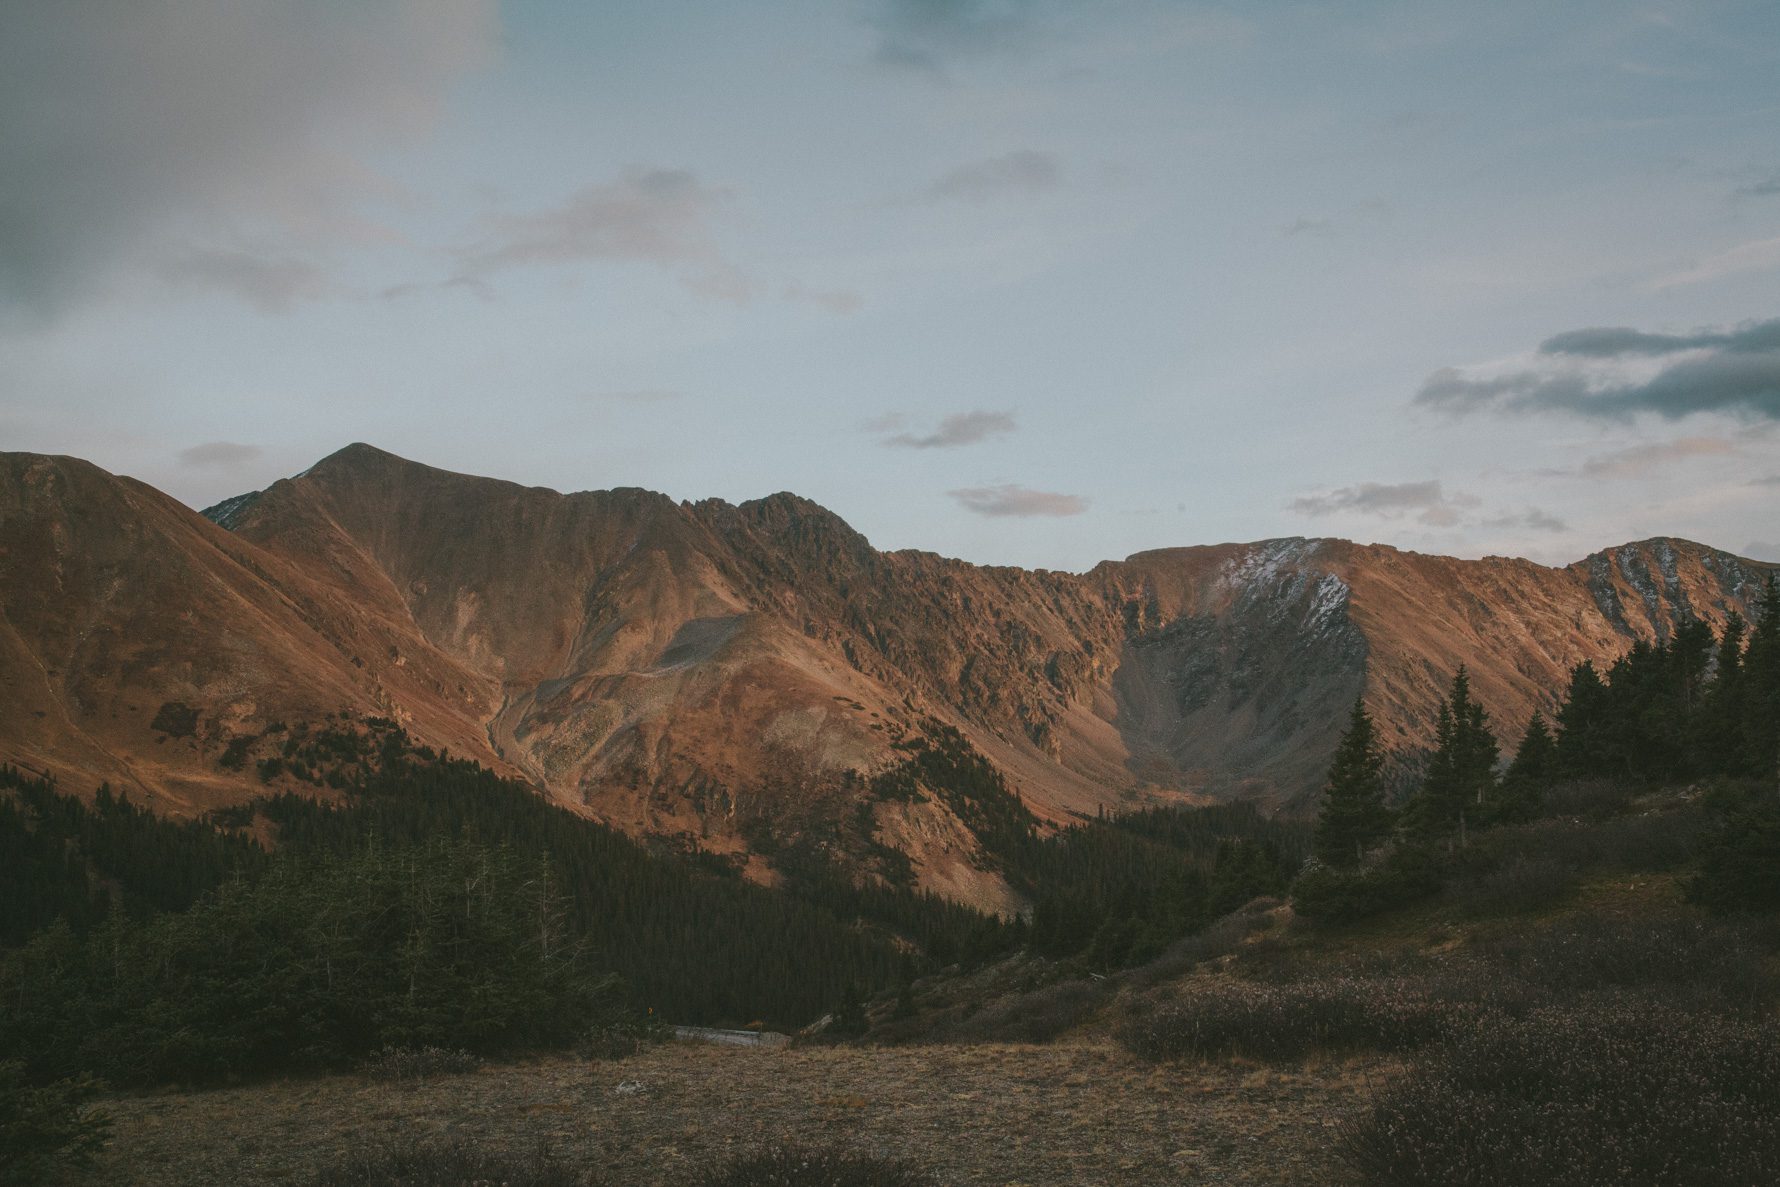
1067 1113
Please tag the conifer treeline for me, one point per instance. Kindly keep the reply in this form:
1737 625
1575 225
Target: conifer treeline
1691 707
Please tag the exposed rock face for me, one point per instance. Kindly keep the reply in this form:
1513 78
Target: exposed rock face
688 667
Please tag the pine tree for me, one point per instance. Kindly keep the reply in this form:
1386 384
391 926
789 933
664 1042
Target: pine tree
1461 778
1583 726
1535 765
1353 816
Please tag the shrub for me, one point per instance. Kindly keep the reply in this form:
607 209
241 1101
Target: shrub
1408 874
1596 799
176 719
1036 1017
419 1063
453 1163
1519 885
45 1132
1672 954
1288 1022
1630 1096
795 1167
1740 859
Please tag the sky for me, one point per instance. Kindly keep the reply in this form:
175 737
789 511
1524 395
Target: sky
1019 281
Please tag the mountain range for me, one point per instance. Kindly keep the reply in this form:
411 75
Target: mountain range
719 672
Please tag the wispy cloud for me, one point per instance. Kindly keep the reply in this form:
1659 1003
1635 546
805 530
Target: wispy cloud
1532 519
836 301
272 283
1013 500
654 216
1640 460
1427 501
1762 550
1766 188
1617 373
219 454
964 428
1321 227
1758 255
926 35
1021 173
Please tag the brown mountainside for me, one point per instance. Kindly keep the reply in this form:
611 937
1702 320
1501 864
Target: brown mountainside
711 669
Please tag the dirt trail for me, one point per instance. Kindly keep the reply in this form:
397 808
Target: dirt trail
1076 1114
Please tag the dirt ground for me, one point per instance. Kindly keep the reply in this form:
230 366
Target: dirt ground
1080 1114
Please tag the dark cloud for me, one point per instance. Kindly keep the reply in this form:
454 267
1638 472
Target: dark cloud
1640 460
1427 501
964 428
1761 189
1622 342
925 35
219 454
272 283
1018 173
654 216
1735 371
1017 501
130 125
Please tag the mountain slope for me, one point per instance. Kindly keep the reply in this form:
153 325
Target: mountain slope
738 673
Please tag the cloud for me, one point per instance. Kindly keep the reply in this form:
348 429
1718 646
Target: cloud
964 428
1761 189
131 126
1618 374
1532 519
924 35
1761 550
1758 255
219 454
1770 480
1017 501
1320 227
1621 341
836 301
654 216
273 284
1426 500
1640 460
1020 173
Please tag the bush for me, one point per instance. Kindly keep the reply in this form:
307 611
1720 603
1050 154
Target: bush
419 1063
795 1167
1631 1096
45 1132
1740 858
452 1164
1036 1017
1408 874
1514 887
1288 1022
1672 954
1596 799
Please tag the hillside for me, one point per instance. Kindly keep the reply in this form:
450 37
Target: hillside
729 672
